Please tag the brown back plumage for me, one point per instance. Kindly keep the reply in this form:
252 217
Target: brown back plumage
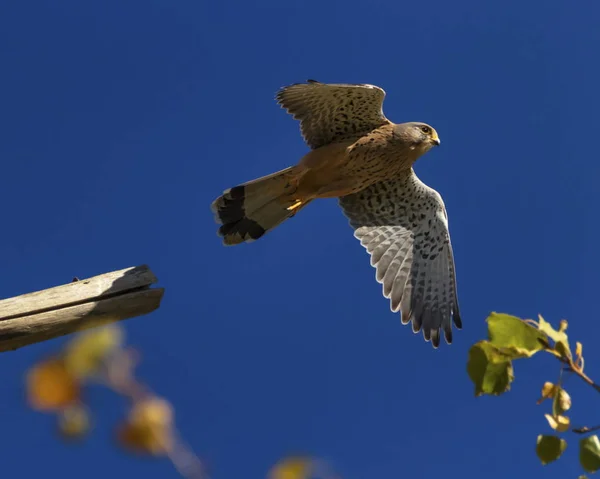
334 112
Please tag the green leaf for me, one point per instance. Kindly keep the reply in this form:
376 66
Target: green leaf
589 453
560 338
490 369
520 339
550 448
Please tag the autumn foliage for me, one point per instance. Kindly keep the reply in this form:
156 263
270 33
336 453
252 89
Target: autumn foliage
490 367
58 384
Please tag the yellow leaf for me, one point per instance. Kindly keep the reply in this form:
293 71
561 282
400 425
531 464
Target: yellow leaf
562 326
563 401
548 391
50 386
148 428
292 468
86 351
74 422
579 355
559 337
558 423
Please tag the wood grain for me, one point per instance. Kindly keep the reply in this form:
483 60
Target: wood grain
34 317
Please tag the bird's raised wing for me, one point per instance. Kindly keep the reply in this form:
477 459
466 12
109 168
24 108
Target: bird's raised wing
403 225
333 112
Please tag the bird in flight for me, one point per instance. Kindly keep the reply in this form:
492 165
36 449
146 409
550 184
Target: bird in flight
366 161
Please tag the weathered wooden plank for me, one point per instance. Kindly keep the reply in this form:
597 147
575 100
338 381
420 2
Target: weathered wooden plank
89 289
65 309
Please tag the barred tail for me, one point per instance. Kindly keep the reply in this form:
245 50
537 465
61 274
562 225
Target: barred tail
247 211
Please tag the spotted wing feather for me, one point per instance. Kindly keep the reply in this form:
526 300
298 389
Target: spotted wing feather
331 113
404 226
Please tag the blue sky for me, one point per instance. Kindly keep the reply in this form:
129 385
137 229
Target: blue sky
122 121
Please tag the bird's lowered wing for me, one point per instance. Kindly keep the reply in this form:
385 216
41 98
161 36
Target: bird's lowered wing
403 225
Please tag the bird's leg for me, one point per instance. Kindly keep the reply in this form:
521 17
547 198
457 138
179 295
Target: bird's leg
291 193
297 204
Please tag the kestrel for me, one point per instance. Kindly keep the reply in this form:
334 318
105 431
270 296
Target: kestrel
365 160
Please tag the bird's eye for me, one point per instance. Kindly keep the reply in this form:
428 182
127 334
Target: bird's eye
426 129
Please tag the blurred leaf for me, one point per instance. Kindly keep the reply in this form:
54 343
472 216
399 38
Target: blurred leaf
548 391
550 448
50 386
489 369
559 337
148 428
514 334
558 423
589 453
292 468
86 351
561 403
74 422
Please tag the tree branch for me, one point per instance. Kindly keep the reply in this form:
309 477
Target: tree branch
574 368
585 429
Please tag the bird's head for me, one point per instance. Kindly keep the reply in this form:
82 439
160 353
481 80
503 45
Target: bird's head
419 137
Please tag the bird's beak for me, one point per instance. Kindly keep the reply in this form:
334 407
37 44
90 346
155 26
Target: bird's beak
435 139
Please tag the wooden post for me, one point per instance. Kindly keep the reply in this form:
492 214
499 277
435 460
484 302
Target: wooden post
47 314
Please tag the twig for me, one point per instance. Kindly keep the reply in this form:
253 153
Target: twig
585 429
119 375
574 368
